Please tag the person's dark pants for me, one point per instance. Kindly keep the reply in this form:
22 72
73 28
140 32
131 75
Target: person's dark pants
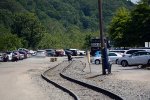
69 58
109 68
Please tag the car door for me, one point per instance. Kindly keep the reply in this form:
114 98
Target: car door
133 59
143 58
140 58
112 57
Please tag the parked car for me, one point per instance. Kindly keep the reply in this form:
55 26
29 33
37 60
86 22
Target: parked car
81 52
112 57
24 53
27 51
41 53
60 52
1 56
137 58
31 52
5 57
50 52
15 56
10 55
97 53
23 49
131 51
68 52
118 51
74 52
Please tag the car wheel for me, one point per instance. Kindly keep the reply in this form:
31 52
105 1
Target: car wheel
116 61
97 62
124 63
148 62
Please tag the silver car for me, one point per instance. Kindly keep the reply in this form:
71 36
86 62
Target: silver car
1 56
137 58
112 56
41 53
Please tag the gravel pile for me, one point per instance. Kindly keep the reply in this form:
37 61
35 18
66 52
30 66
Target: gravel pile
126 89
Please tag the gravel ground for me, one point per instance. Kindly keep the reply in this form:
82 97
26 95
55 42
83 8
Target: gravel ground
81 92
54 93
130 83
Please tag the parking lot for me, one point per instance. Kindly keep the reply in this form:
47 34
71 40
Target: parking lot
21 80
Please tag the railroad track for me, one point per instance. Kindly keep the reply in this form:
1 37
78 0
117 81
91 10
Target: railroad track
78 90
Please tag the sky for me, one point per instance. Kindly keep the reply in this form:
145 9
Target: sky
135 1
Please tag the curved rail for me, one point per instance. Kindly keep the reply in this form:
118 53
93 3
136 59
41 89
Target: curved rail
83 84
60 87
97 89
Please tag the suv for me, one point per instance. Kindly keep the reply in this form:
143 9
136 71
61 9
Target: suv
1 56
41 53
50 52
74 52
137 58
118 51
131 51
10 55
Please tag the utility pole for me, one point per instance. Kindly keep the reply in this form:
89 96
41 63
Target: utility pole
104 56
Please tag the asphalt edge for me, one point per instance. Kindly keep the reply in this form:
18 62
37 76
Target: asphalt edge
95 88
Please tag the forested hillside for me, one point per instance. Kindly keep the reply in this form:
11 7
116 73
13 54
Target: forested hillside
53 23
131 28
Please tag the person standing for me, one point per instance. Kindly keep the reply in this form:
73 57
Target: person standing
69 57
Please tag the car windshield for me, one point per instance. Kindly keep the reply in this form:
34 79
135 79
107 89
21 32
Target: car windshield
133 51
140 53
112 54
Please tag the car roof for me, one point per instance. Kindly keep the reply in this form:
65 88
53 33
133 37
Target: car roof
117 53
134 50
117 50
41 50
143 51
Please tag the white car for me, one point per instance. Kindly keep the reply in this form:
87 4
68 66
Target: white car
112 56
131 51
41 53
81 52
137 58
10 55
1 56
118 51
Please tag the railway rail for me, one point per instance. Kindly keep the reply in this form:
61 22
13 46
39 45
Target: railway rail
78 90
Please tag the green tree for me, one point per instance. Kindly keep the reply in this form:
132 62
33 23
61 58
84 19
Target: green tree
140 17
87 43
147 2
118 30
27 27
9 41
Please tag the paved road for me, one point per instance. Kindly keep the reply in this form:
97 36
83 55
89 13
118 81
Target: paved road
21 81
